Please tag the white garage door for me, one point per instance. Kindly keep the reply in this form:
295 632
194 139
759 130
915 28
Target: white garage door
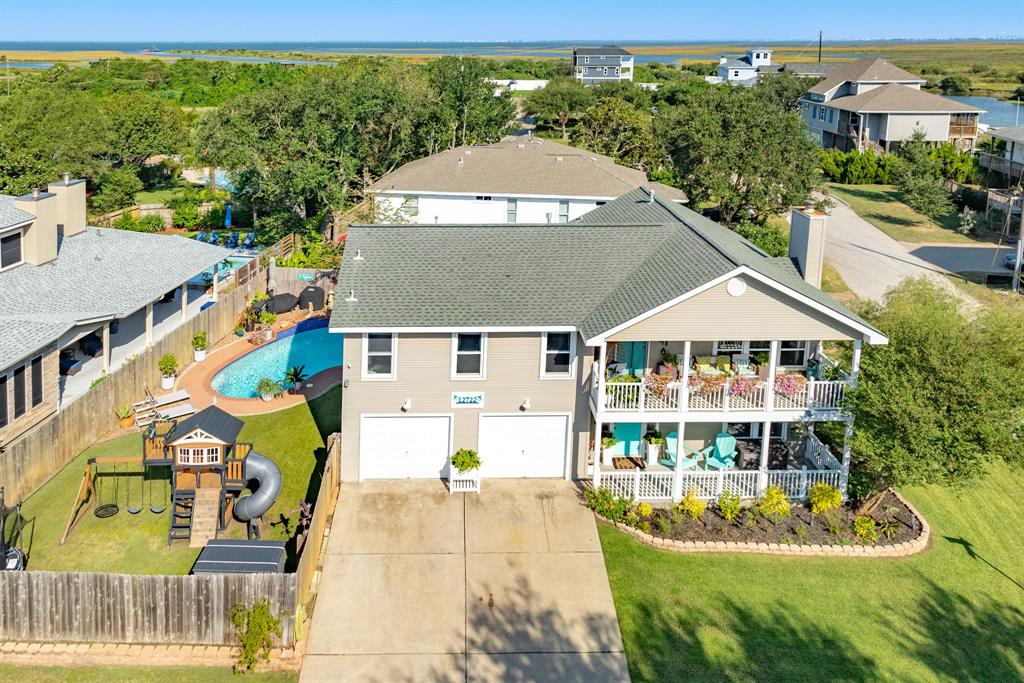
523 445
404 447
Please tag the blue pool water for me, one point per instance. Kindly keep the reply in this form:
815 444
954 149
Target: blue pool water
224 269
316 349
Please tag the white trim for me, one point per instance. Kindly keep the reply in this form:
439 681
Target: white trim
199 435
569 433
544 375
363 446
500 194
364 373
465 328
454 376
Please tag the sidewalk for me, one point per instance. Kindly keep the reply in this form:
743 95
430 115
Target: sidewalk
123 654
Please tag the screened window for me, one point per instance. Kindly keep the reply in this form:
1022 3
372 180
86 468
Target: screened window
380 356
19 392
469 353
558 350
3 401
563 211
511 208
821 114
10 250
199 456
793 353
37 381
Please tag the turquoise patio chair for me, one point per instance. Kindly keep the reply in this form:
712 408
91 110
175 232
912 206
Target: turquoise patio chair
671 453
723 453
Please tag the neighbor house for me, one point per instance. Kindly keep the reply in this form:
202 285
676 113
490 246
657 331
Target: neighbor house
872 104
1010 159
745 70
596 65
520 179
558 350
76 301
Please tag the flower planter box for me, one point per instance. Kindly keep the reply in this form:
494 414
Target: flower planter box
464 482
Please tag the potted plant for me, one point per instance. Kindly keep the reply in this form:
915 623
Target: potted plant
240 331
295 376
464 472
655 445
607 444
669 363
267 320
168 366
268 389
124 417
199 345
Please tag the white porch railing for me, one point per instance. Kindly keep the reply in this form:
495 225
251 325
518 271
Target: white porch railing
795 483
817 452
734 395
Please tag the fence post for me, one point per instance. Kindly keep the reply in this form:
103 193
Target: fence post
803 482
636 484
721 484
725 395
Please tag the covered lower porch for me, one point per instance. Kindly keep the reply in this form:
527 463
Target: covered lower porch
663 461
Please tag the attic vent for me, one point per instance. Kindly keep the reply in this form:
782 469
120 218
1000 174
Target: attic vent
358 256
351 296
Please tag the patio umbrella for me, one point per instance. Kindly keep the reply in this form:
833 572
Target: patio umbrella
227 215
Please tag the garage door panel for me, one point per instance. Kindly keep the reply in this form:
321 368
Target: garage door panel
523 445
404 447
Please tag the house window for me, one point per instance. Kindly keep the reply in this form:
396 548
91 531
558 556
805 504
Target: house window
814 111
616 70
586 71
3 401
831 113
586 60
10 250
19 392
563 211
793 354
411 207
821 114
209 455
511 206
752 430
605 72
483 198
736 74
558 350
37 381
469 356
379 356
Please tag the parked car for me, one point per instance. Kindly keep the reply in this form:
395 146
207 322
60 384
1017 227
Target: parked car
1010 261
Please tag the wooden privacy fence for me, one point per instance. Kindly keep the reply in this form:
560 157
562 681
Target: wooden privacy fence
139 210
326 499
294 280
33 459
125 608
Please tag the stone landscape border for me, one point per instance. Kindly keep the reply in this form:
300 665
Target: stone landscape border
904 549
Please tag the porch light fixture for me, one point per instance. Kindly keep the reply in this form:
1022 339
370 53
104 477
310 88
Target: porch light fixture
407 405
525 405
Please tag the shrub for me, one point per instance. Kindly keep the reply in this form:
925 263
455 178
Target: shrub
801 531
824 497
168 365
967 222
117 189
767 238
186 216
153 222
676 515
865 528
888 527
465 459
833 522
773 504
608 441
200 342
260 296
644 510
857 168
692 506
664 526
123 412
729 506
255 627
955 85
214 217
267 318
644 525
604 503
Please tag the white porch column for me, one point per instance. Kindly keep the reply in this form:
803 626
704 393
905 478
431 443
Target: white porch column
149 324
762 470
598 452
677 475
684 393
855 362
773 364
845 476
106 346
216 281
602 361
184 301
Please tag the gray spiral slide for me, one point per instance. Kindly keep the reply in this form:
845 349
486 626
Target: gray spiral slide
265 472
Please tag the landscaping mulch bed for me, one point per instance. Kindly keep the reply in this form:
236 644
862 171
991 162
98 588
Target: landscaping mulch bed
800 528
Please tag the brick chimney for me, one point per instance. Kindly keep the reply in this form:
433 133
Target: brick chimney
70 195
39 245
807 241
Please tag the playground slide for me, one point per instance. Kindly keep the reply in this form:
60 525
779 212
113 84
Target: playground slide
264 471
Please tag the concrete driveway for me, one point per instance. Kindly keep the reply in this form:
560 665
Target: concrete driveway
420 585
959 258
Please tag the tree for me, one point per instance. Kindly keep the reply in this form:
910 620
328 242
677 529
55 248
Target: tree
942 400
140 126
784 90
731 148
117 189
466 103
955 85
765 237
616 128
917 176
561 99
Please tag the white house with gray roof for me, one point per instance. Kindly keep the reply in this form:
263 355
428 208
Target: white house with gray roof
520 179
558 350
745 70
596 65
76 301
872 104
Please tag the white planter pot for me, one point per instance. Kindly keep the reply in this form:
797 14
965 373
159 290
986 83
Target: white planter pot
464 482
267 397
199 355
653 452
267 335
167 383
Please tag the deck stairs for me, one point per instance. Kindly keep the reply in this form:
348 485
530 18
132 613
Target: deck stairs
205 517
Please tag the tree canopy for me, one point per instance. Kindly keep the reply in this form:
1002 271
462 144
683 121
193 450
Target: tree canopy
618 129
560 100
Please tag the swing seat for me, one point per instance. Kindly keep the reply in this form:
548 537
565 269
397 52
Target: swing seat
106 510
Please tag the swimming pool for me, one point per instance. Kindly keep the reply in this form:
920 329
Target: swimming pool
316 349
224 269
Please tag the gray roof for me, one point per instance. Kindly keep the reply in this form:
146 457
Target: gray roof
603 50
741 63
811 68
213 421
1008 133
897 98
9 215
99 273
518 166
864 69
612 265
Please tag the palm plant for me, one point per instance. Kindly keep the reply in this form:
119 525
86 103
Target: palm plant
295 376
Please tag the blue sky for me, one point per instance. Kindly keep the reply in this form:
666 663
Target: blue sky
498 20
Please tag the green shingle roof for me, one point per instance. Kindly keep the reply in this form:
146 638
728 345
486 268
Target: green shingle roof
608 267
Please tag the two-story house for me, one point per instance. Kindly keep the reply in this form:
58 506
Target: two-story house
872 104
745 70
77 301
596 65
520 179
553 351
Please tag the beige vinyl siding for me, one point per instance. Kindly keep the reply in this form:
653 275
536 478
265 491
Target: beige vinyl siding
33 416
760 313
424 378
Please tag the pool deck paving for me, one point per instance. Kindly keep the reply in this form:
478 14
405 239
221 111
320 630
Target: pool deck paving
197 377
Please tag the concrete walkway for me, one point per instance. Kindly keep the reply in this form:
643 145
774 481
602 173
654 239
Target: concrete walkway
419 585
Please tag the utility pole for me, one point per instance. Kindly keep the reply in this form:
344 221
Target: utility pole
819 47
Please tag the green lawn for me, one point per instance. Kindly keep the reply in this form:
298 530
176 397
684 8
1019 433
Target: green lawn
952 613
135 674
137 544
880 205
161 196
